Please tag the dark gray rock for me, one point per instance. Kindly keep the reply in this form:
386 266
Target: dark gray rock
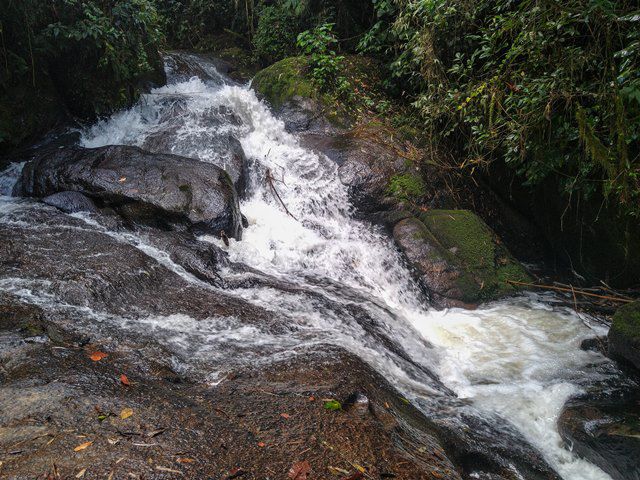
624 335
71 202
159 189
605 429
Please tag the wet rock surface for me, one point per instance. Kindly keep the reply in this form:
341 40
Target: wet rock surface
605 429
158 422
71 202
164 190
55 398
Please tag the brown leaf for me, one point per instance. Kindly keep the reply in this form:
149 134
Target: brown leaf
185 460
299 470
126 413
97 356
81 473
285 415
82 446
262 444
124 380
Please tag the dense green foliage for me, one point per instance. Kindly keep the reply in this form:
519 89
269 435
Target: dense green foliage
87 56
553 88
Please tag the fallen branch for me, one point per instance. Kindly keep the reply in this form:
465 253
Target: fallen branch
270 180
573 291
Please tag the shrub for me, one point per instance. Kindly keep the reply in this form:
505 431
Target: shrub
326 65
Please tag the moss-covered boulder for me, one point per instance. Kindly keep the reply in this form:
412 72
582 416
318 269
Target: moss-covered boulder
285 80
624 335
458 258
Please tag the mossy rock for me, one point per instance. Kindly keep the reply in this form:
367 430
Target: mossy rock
290 78
284 80
458 258
474 247
624 335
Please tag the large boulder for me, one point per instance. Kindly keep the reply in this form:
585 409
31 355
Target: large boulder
159 189
605 429
624 335
457 258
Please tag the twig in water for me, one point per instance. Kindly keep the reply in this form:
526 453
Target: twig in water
270 180
572 290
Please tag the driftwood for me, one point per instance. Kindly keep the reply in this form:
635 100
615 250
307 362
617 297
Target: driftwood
270 181
575 291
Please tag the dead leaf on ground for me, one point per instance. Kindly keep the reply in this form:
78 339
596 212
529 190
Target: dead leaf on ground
113 441
185 460
285 415
81 473
97 356
126 413
299 470
262 444
82 446
124 380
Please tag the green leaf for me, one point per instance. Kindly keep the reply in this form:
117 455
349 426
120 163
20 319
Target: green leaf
332 405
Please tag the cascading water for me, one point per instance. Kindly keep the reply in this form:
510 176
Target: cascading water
519 358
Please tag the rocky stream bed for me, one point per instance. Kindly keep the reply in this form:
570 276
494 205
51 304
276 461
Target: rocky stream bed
198 288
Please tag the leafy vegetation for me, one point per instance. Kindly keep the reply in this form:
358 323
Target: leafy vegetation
551 88
326 66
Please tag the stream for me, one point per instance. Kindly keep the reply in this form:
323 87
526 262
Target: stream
514 362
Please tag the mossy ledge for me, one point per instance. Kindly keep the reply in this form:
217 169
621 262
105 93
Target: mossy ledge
471 245
458 258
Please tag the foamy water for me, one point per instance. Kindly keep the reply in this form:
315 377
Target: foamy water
519 358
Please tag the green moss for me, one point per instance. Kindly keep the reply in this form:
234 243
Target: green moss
406 187
284 80
466 241
626 321
291 77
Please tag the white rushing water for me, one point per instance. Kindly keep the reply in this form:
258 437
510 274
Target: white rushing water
519 358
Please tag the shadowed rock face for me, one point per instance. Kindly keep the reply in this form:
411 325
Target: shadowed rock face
166 190
605 429
624 335
71 202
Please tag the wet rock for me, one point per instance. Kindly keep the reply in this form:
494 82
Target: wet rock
366 167
71 202
183 66
201 259
595 344
457 258
605 429
167 190
624 335
116 273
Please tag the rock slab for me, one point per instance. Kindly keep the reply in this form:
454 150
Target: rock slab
165 190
